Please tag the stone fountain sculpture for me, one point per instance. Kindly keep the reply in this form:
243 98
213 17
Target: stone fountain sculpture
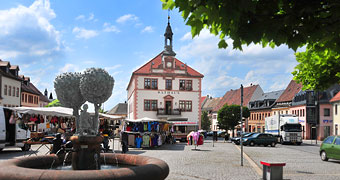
95 86
73 90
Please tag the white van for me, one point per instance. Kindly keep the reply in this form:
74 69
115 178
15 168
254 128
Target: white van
12 135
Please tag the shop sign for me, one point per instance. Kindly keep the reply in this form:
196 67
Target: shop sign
168 92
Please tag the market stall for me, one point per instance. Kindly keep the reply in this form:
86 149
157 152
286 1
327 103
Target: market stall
145 132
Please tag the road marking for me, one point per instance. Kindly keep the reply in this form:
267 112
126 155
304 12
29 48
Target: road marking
251 162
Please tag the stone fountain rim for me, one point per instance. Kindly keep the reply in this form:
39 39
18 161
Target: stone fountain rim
145 168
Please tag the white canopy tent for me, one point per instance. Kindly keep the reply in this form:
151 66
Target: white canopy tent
55 111
47 111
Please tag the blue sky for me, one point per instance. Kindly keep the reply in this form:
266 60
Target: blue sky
46 38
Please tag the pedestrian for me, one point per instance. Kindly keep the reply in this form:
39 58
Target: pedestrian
57 142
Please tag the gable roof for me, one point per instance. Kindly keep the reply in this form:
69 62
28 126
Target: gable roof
234 97
120 108
270 95
29 88
156 63
290 92
336 97
211 103
202 99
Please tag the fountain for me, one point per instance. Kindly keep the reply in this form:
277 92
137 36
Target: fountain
73 90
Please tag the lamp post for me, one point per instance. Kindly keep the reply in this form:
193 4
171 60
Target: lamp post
241 140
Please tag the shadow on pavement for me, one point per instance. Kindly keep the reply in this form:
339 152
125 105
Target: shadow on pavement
9 154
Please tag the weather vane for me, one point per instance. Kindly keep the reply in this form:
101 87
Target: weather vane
168 15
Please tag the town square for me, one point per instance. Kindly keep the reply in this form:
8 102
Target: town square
169 89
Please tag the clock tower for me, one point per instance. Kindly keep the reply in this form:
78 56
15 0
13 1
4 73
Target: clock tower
168 55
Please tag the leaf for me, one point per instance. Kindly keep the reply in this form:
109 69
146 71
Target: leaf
222 44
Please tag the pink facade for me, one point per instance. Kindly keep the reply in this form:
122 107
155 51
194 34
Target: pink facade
326 121
300 111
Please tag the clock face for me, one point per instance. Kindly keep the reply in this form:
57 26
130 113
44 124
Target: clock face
168 64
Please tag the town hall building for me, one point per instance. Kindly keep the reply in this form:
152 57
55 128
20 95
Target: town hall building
166 88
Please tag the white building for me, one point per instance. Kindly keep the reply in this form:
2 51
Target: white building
166 88
10 85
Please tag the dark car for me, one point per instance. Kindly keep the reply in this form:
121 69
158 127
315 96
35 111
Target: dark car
330 148
236 140
210 133
260 139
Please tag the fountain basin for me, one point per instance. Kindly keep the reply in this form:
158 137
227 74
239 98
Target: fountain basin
37 168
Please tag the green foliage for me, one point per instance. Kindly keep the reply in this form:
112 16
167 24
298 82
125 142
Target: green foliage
318 69
205 121
102 111
54 103
229 116
295 23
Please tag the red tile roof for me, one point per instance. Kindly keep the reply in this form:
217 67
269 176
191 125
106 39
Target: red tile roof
290 92
156 63
234 97
202 99
336 97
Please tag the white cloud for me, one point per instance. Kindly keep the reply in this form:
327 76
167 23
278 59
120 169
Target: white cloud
126 18
69 68
147 29
110 28
226 69
84 18
26 32
80 17
112 67
83 33
187 36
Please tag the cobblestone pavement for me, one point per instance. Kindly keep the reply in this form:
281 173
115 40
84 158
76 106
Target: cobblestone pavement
219 162
223 160
302 162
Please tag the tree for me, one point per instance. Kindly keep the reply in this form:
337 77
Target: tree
229 116
67 89
317 70
296 23
54 103
96 87
205 121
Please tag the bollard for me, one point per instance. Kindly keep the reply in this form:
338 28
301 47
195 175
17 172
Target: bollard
272 171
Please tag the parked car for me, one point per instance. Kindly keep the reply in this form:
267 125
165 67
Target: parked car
330 148
210 133
260 139
220 133
236 140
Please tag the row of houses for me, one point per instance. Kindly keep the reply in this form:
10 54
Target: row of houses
17 90
317 110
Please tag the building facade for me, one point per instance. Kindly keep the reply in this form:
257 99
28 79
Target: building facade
336 114
10 85
260 109
209 105
166 88
231 97
29 94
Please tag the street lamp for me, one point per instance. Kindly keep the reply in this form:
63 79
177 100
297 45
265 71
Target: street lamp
241 140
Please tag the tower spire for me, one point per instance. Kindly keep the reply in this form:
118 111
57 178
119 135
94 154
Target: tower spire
168 39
